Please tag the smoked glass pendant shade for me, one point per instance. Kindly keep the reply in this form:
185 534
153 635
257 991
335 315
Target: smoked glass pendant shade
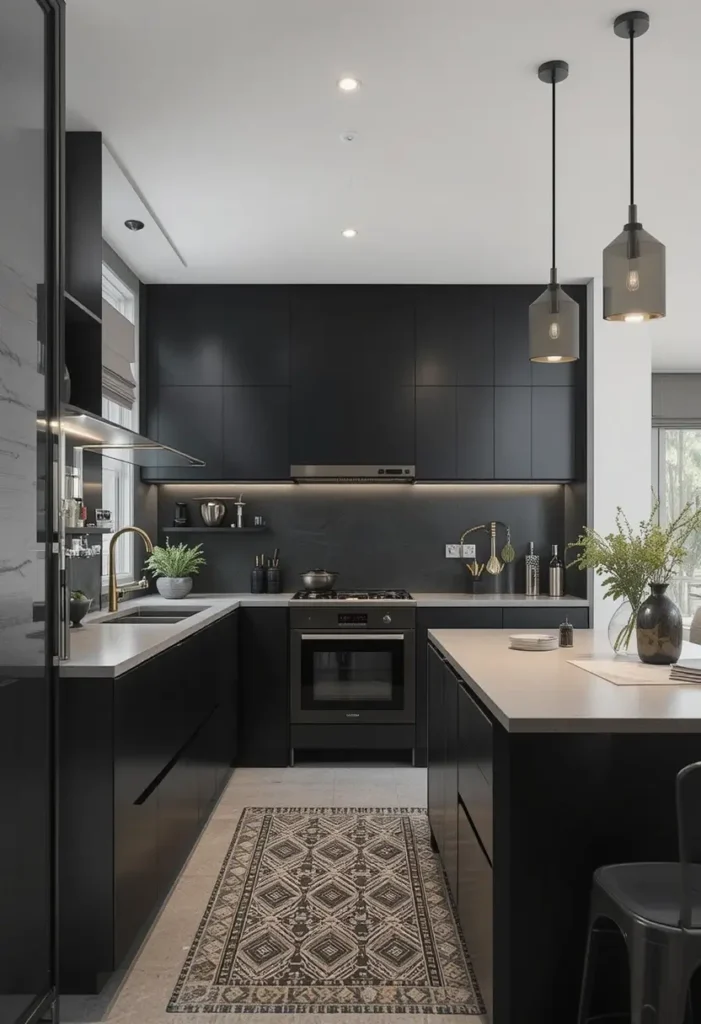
553 327
634 277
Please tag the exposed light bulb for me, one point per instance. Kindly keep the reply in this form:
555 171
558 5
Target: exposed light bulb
554 359
554 330
633 281
634 318
349 233
348 84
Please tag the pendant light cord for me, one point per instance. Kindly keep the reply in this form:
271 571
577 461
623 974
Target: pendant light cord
632 114
553 172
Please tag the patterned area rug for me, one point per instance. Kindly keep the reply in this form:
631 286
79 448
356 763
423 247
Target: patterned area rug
329 910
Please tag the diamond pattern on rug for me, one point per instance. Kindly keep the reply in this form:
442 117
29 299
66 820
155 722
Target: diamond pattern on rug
329 910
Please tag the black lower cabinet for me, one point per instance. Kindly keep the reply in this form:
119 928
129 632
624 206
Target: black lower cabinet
264 702
443 763
143 758
475 899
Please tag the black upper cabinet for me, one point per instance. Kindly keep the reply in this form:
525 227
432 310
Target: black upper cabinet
190 419
352 425
475 433
512 433
84 219
216 334
511 349
185 329
436 433
553 434
257 338
454 335
256 433
351 333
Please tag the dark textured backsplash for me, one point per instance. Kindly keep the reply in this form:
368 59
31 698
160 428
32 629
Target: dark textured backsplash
372 535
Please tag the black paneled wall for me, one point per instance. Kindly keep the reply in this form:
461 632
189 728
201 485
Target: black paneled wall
373 535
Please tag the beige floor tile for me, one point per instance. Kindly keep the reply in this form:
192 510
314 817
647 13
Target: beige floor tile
209 854
168 942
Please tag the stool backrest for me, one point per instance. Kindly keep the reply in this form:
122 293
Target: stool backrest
689 831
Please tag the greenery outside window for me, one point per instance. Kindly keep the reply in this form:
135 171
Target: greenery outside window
676 474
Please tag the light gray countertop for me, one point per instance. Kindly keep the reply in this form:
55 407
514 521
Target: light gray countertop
496 601
100 649
538 691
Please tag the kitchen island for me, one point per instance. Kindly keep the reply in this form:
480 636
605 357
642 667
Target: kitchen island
539 772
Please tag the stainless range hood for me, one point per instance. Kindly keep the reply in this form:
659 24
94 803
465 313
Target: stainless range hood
353 474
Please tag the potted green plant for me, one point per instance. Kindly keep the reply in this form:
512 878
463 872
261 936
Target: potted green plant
629 560
79 607
174 566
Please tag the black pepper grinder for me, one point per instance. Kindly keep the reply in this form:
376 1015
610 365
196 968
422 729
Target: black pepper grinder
566 634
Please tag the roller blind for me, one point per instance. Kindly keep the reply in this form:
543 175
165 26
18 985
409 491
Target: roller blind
676 400
118 353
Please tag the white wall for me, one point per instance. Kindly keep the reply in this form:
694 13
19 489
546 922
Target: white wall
620 417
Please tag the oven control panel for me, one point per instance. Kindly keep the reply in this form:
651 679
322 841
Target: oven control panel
329 616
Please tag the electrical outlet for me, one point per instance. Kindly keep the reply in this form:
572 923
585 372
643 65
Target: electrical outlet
452 551
469 551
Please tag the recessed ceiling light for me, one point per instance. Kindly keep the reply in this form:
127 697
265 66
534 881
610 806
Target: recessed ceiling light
349 233
134 225
348 84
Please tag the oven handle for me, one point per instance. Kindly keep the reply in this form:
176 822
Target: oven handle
352 636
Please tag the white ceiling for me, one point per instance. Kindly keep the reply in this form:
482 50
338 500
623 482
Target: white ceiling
226 115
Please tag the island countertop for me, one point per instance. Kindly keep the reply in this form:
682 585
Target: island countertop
530 692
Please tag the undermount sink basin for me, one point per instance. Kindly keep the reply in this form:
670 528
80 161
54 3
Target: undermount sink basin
152 615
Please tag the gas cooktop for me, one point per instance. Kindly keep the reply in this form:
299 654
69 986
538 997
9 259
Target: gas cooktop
352 595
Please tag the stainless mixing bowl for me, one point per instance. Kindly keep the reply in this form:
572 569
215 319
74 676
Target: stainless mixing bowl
212 512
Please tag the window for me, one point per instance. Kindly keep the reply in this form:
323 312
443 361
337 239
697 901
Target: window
676 458
117 475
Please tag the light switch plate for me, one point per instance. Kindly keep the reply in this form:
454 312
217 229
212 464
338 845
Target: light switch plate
460 551
452 551
469 551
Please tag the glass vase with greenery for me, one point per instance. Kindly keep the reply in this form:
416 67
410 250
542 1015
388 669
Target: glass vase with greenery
176 561
629 560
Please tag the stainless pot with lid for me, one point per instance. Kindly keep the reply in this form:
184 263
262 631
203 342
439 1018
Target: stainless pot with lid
318 579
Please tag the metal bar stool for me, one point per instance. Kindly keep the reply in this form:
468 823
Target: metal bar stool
657 909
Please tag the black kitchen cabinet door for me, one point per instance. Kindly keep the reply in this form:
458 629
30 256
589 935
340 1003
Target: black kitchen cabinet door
454 335
512 433
351 334
353 424
450 778
256 347
475 433
512 365
256 433
436 744
545 618
186 329
264 702
553 433
436 433
190 419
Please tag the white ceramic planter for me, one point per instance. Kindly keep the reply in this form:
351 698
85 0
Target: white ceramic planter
172 587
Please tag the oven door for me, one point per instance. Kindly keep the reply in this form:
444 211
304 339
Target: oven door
352 677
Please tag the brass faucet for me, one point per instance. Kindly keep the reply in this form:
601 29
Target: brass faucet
114 593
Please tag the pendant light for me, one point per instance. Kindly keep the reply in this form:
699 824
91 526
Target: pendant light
634 263
553 319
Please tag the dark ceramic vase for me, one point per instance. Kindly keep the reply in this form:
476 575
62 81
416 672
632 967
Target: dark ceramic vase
78 611
659 628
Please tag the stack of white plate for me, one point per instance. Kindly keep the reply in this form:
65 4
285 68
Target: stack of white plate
533 642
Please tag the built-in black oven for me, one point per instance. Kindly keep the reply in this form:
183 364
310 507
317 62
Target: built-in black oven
352 666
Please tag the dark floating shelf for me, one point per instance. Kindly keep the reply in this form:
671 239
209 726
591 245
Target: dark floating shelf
76 531
77 313
213 529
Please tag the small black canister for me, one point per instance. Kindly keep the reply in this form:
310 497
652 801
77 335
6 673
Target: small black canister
566 634
258 579
274 580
